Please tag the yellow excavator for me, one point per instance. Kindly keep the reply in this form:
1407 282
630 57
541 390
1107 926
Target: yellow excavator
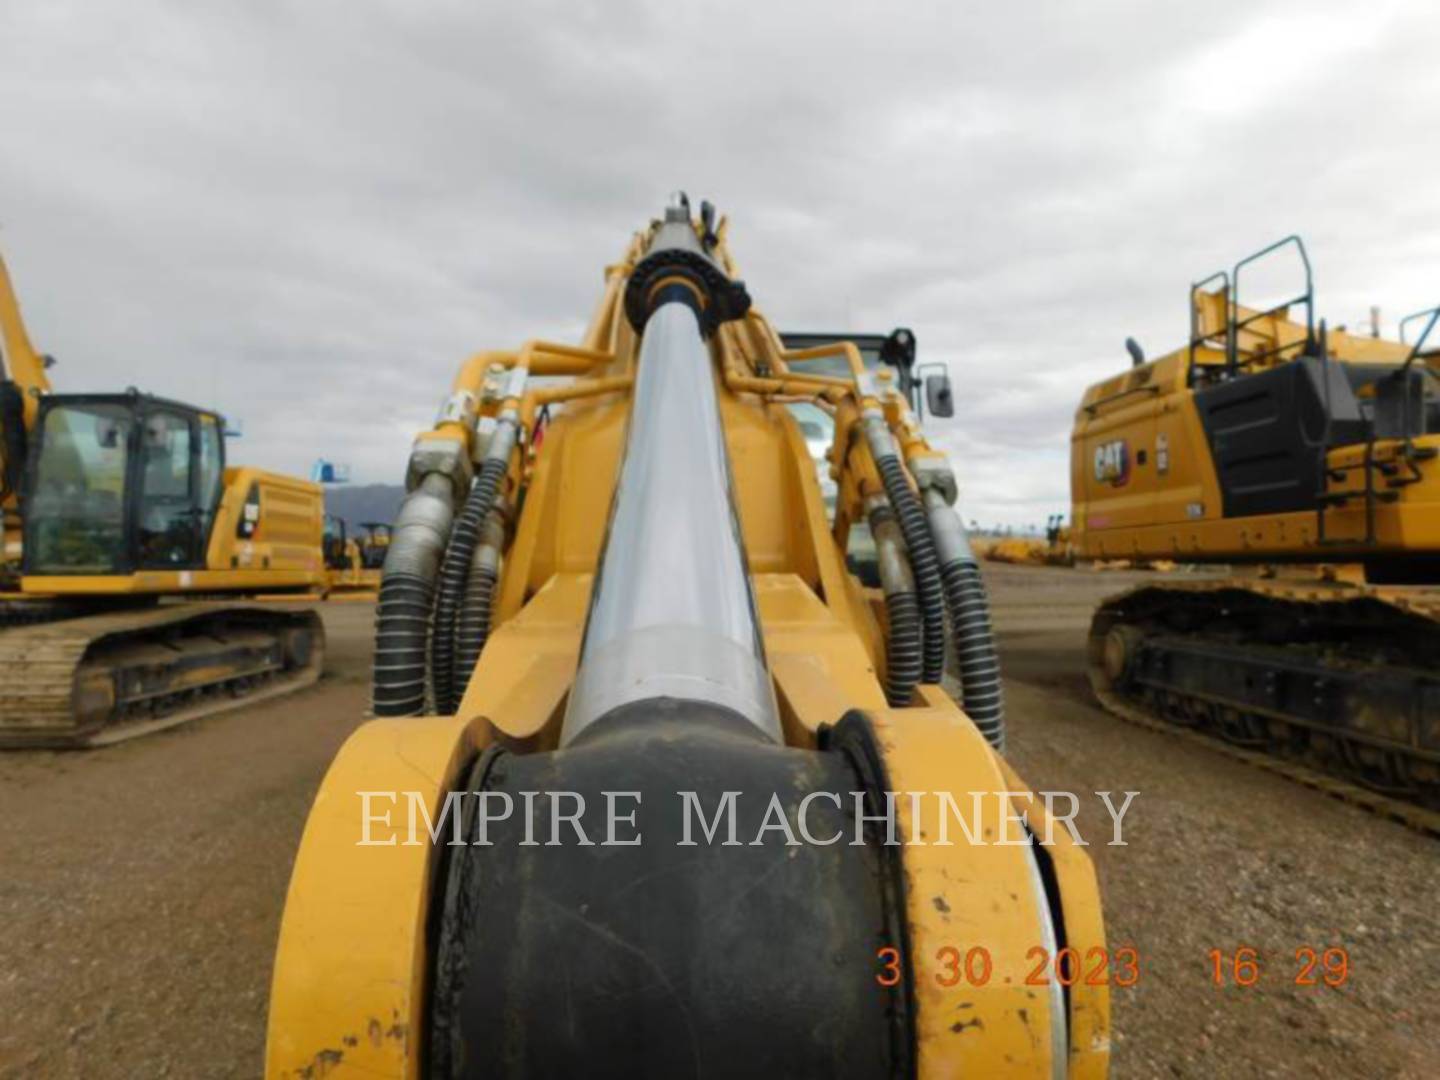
113 503
374 541
1306 458
350 569
646 624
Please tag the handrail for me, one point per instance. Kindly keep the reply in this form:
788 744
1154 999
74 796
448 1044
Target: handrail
1195 336
1235 325
1407 451
1324 477
1415 316
841 347
1415 354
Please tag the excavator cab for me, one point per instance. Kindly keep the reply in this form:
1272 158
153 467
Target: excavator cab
335 543
121 482
893 352
374 543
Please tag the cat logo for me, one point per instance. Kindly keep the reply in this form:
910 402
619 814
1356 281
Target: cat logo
1112 463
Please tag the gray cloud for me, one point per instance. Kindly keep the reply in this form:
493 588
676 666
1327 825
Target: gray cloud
308 215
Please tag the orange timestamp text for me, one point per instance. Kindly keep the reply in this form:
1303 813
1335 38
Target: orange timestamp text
1312 966
954 966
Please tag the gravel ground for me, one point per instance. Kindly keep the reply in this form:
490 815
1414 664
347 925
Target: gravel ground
141 886
1220 855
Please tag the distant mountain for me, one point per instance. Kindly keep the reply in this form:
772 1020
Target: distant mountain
364 502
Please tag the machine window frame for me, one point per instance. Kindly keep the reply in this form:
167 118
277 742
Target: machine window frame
210 509
200 532
141 406
123 562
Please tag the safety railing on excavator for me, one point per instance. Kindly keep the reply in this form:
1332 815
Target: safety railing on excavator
1309 345
1408 455
1234 323
1199 338
1411 452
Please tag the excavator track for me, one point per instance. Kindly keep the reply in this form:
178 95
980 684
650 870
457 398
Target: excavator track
1335 686
101 679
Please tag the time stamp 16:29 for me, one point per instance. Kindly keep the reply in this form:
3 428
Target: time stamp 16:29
1098 966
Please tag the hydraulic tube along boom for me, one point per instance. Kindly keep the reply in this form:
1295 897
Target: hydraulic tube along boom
672 613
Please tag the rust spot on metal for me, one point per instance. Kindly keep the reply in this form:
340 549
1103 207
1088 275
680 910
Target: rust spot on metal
320 1065
375 1032
960 1025
941 906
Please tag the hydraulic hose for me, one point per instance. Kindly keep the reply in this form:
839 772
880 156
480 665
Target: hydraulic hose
981 693
903 644
407 586
455 567
472 626
929 588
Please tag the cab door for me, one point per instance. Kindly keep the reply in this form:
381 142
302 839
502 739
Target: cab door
210 477
170 516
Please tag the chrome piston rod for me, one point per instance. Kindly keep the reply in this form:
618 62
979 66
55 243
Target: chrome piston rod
672 613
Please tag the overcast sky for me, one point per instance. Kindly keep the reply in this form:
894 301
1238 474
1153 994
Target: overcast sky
306 216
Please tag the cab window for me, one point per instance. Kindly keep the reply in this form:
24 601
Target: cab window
169 519
212 463
75 517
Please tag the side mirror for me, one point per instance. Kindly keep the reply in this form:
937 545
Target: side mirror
939 399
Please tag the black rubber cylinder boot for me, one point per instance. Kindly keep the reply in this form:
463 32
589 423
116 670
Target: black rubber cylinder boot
739 956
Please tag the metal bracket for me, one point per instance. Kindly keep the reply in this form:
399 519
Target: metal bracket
459 408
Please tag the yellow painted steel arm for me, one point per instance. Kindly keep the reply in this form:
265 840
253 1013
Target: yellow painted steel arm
361 947
22 364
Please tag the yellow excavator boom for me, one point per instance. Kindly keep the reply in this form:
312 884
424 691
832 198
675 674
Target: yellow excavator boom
621 594
22 365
